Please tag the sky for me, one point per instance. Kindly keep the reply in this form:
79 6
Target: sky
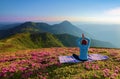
87 11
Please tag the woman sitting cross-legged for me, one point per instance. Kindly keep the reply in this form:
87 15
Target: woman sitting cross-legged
84 44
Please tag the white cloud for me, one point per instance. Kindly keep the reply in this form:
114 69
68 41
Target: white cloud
96 19
102 19
111 16
114 11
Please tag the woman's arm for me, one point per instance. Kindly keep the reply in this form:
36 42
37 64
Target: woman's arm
79 42
88 41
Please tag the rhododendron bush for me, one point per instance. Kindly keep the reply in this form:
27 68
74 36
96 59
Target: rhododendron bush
44 64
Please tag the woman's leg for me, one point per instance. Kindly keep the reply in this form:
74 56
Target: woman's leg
77 57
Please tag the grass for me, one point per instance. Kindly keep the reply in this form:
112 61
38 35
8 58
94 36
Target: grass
44 64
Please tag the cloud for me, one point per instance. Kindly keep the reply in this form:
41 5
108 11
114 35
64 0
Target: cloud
102 19
114 11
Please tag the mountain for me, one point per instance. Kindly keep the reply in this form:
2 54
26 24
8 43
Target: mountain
1 25
8 26
67 40
65 32
68 28
64 27
30 40
22 28
103 44
70 41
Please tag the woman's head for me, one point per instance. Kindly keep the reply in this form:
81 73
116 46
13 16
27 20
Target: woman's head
84 42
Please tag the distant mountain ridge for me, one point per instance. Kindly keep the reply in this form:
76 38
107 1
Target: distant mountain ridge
64 27
8 26
65 32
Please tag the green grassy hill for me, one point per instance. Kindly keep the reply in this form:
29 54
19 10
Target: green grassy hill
29 40
67 40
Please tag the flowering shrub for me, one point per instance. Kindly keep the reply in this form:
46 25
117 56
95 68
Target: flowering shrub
44 64
90 66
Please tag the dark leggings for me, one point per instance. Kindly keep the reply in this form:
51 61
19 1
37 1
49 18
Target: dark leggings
77 57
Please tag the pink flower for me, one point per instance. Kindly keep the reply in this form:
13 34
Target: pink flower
22 69
4 70
87 67
95 76
105 75
116 71
97 67
33 64
106 72
117 68
113 76
44 77
93 66
58 64
46 73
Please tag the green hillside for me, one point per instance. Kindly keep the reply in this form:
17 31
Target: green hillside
67 40
45 40
28 40
37 40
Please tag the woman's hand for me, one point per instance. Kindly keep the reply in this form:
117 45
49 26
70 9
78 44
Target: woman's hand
83 36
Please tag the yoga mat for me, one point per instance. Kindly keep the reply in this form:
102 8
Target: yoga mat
91 57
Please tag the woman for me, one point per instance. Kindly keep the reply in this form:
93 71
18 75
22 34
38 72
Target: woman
84 44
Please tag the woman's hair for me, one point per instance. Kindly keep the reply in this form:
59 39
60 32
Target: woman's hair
84 42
